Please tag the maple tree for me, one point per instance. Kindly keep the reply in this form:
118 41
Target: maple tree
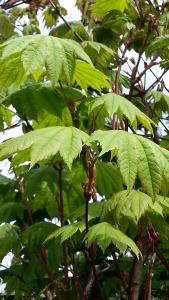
85 212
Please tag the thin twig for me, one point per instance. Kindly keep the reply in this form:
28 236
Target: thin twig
64 20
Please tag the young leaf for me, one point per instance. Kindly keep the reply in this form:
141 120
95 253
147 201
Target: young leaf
113 103
34 53
46 142
132 204
136 157
105 234
66 232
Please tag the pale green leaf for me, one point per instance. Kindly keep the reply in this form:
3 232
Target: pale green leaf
136 157
105 234
36 52
68 141
130 204
101 7
87 76
67 231
113 103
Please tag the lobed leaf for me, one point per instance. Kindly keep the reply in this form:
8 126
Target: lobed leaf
24 56
46 142
136 157
113 103
105 234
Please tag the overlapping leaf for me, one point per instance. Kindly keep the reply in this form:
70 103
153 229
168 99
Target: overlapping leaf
113 103
131 204
136 157
105 234
23 56
46 142
100 54
35 100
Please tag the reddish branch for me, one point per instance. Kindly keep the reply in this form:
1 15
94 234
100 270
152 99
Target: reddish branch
118 270
147 295
61 209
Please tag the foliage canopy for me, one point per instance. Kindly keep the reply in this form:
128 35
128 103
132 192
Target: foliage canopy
85 210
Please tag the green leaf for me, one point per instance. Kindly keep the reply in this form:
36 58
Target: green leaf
87 76
10 211
50 18
6 27
63 31
136 157
105 234
37 100
73 188
36 234
130 204
95 211
33 101
113 103
42 177
67 231
100 54
161 101
9 240
102 7
108 179
46 142
29 54
160 43
6 115
12 71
